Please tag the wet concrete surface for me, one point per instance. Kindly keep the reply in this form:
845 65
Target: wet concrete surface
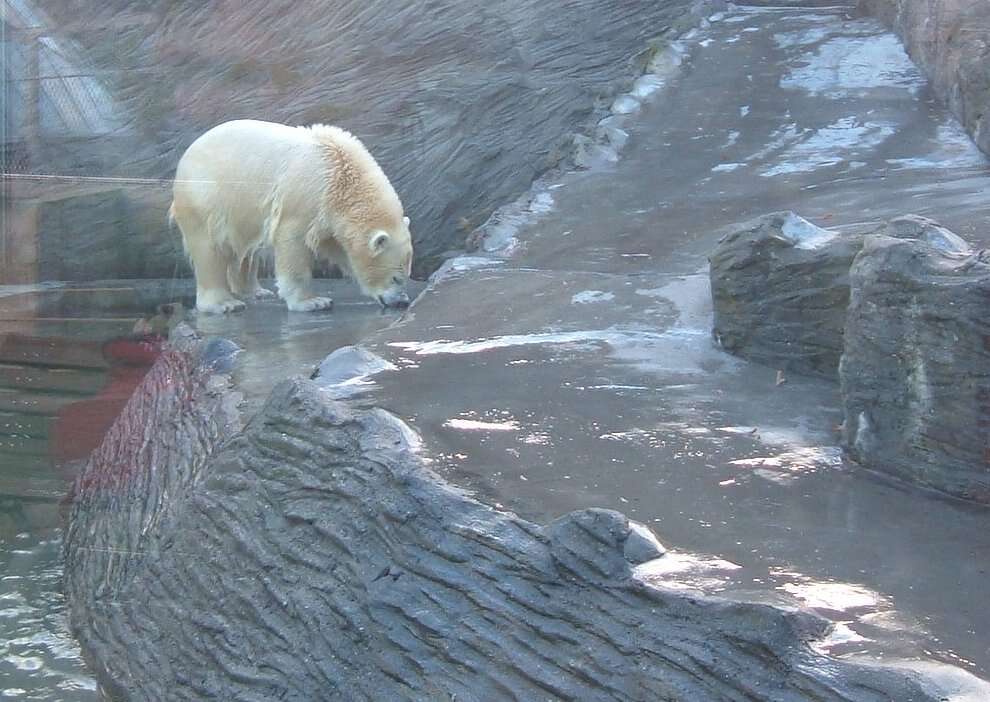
277 343
574 366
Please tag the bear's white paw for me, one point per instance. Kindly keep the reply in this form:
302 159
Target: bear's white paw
310 304
263 294
223 306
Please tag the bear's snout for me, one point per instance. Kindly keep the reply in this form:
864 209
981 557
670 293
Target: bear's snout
394 297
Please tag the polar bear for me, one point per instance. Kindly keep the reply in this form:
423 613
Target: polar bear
305 192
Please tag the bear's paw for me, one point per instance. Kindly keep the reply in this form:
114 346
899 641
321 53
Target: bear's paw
311 304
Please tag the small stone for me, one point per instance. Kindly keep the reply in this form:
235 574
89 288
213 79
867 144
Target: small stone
626 105
642 545
592 154
646 86
611 130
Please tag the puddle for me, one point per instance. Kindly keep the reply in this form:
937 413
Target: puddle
811 150
851 66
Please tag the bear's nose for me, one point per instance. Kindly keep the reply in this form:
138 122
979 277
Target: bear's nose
394 298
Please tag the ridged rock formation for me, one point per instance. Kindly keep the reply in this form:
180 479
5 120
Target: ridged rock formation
916 368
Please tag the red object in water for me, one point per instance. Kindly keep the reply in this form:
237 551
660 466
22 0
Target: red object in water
80 427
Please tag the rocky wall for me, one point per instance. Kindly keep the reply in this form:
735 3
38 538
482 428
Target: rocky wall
462 103
950 41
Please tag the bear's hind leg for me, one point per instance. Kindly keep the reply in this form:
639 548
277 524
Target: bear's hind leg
209 261
243 278
294 271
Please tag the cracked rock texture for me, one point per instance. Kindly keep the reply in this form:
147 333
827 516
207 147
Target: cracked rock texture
950 41
313 556
916 369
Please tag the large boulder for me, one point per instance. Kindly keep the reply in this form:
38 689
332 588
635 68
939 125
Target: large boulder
916 369
780 287
779 291
314 556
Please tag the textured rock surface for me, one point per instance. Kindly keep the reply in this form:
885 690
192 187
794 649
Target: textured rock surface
153 455
780 286
779 290
916 369
950 40
463 104
105 235
313 557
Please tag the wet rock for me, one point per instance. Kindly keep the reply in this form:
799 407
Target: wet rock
916 369
646 85
589 153
642 545
314 556
925 230
347 370
589 544
610 130
780 286
950 41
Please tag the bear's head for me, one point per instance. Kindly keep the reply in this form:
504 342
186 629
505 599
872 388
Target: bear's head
384 268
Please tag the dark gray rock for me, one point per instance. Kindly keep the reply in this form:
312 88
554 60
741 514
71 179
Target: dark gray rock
950 41
780 286
464 104
916 369
314 557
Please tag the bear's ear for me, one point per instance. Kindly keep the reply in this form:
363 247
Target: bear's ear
405 221
378 241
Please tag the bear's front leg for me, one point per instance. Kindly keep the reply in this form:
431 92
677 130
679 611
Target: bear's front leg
293 273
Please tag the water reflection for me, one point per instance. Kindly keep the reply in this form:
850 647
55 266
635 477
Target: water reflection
39 659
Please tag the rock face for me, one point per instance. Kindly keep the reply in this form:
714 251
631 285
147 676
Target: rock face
916 369
780 287
463 104
105 235
950 40
313 556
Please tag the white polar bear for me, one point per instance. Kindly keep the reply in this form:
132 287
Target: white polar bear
306 192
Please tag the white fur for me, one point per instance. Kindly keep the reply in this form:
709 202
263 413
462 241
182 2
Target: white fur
306 192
